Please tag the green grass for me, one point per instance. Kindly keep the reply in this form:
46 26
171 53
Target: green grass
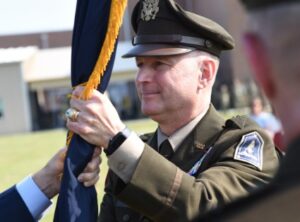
24 154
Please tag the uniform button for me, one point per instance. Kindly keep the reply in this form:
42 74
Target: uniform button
125 217
121 166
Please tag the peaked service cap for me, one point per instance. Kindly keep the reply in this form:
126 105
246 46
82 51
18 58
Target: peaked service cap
163 27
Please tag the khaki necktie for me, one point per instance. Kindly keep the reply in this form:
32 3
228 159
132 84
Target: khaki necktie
165 149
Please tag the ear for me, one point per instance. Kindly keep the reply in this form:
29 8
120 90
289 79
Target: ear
208 73
259 60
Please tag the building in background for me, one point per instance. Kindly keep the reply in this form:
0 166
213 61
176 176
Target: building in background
35 84
35 81
14 101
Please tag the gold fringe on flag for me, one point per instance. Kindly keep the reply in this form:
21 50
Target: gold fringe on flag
117 10
69 137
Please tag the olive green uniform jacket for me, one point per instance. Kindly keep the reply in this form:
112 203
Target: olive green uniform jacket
163 190
277 202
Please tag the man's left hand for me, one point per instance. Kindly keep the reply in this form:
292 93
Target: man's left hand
48 178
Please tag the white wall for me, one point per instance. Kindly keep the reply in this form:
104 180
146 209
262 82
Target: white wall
14 96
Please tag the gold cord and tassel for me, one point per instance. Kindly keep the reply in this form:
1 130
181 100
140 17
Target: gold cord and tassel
117 10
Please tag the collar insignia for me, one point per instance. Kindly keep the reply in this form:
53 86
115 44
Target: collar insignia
150 10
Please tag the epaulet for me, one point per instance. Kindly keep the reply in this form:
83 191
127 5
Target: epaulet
237 122
145 137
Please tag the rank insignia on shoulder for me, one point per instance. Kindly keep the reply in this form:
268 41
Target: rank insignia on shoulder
250 150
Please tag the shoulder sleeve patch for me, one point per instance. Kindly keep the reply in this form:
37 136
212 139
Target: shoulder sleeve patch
250 150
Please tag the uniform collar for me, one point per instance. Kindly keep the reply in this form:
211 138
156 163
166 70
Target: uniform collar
177 137
207 128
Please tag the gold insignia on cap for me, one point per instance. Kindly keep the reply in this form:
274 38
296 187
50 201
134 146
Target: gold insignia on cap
150 10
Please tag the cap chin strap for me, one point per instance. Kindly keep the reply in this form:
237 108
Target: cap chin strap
198 43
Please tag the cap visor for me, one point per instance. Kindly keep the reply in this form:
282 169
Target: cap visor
157 50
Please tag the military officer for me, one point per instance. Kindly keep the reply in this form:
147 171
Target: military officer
273 49
195 160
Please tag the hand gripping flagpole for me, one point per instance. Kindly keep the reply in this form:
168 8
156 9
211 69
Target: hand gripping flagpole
96 22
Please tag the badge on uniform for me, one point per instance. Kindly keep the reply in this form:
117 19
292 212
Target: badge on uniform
250 150
150 10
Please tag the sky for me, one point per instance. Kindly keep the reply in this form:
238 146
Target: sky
30 16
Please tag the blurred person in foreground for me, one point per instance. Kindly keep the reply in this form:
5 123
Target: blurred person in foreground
27 200
195 160
273 49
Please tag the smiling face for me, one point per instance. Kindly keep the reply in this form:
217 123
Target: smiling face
168 86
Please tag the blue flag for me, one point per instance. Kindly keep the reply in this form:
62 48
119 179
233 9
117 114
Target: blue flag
77 203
